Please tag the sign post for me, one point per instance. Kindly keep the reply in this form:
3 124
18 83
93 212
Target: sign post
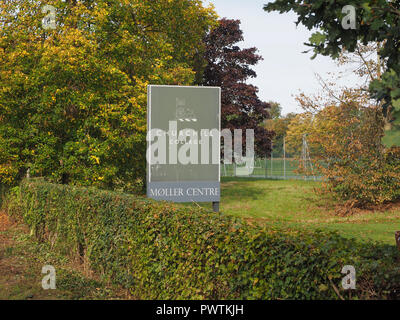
183 144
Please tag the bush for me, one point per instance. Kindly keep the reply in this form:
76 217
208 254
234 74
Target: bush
370 181
165 251
346 145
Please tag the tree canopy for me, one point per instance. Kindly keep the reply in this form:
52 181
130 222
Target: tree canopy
229 67
73 98
376 21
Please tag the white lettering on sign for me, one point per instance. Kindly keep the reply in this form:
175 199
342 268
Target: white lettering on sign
188 141
202 192
179 192
166 192
186 145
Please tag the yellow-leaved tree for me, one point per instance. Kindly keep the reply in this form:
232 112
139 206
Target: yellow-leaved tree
73 79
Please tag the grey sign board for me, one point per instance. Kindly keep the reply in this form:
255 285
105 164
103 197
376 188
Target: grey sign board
183 143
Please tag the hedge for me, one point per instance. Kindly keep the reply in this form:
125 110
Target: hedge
167 251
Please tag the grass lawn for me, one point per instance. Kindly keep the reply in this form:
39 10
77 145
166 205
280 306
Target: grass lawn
293 204
268 167
392 138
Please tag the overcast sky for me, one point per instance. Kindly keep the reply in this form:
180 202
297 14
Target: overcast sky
285 70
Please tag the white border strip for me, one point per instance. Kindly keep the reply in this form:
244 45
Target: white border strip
148 129
219 150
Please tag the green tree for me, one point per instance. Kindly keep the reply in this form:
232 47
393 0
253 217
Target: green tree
377 21
280 126
275 110
73 98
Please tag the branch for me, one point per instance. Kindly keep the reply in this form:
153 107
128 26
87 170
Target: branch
365 63
336 290
330 91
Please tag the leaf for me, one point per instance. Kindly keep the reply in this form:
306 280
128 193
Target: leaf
396 104
317 38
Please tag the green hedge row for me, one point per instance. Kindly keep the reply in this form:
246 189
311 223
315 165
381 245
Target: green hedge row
165 251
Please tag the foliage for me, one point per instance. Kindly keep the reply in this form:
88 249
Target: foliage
161 251
344 129
229 67
22 261
377 22
392 138
73 99
300 125
279 125
346 146
275 110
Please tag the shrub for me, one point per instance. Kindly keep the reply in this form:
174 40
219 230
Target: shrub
345 143
369 180
165 251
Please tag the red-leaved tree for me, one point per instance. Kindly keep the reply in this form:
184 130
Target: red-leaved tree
229 67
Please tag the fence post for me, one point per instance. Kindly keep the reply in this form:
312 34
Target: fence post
266 166
272 157
215 206
284 158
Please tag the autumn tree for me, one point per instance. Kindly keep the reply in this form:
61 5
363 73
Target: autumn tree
344 135
377 21
279 124
298 126
275 110
73 98
344 129
229 67
367 64
348 128
356 167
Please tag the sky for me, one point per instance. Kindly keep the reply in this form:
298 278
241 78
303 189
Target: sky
285 70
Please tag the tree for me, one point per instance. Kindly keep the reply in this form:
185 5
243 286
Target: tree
369 66
229 67
377 21
300 125
344 128
345 141
275 110
73 99
344 135
351 156
280 127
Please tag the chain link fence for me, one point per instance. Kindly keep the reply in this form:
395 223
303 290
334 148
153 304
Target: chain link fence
280 165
